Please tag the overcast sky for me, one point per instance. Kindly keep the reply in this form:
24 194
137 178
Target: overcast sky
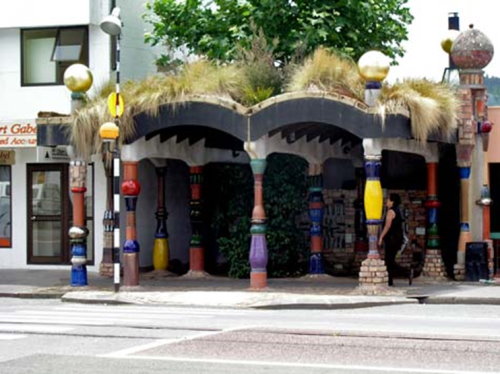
424 56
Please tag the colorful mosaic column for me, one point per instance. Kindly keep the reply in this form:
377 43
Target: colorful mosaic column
79 232
433 265
373 272
465 234
360 243
316 213
161 248
106 266
130 189
196 249
258 245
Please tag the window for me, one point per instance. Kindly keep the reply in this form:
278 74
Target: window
5 207
46 53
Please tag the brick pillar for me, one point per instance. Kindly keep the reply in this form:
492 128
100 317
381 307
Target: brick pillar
258 245
78 232
433 265
161 247
130 189
316 213
373 273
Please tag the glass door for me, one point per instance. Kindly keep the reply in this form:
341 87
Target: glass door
48 214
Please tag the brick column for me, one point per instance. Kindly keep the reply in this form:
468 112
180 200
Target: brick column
373 273
433 265
258 245
130 189
78 232
161 247
316 213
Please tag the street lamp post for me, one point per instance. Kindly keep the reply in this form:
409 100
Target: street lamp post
109 133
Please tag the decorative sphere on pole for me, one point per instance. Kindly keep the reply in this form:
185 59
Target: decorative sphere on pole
78 78
472 50
109 131
374 66
447 41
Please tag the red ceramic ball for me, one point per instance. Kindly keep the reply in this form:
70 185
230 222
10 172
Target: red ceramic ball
486 127
131 188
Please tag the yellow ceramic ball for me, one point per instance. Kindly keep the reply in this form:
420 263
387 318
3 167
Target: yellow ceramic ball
109 131
447 41
78 78
374 66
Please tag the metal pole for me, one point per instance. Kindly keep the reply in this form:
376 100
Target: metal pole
116 179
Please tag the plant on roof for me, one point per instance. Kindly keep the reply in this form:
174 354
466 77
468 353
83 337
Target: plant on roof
329 72
433 106
216 28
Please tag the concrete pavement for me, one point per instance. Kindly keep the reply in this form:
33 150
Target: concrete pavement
220 292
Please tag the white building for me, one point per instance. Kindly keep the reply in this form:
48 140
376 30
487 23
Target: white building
38 40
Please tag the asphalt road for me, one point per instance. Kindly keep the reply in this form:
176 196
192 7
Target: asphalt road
47 336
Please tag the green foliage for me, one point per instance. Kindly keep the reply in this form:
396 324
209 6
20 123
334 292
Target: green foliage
262 78
217 28
284 198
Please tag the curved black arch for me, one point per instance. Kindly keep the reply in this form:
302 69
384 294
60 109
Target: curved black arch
253 123
214 138
192 113
329 112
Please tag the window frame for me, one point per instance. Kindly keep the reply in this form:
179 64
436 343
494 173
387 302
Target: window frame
57 30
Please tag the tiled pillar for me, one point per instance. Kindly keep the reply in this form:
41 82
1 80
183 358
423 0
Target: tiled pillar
433 265
106 265
78 232
258 246
316 213
196 249
373 272
161 247
465 234
360 241
130 190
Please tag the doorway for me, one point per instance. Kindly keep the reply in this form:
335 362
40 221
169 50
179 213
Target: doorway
48 209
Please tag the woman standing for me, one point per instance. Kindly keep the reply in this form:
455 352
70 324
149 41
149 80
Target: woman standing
392 234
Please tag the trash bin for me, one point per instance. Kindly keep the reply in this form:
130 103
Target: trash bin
476 261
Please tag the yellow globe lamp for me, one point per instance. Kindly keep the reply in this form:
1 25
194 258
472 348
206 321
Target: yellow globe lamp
374 66
109 131
78 78
447 41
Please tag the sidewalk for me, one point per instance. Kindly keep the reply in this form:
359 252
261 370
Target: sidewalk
219 292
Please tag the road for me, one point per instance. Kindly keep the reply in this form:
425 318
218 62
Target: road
47 336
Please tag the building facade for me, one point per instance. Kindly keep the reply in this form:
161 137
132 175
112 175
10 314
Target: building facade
39 40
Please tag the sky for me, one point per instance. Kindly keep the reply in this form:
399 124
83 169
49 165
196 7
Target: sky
424 56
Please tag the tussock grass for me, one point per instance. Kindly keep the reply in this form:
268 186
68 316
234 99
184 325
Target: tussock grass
433 106
329 72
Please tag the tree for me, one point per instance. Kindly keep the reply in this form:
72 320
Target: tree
217 28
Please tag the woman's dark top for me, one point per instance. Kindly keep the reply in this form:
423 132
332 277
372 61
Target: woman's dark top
394 237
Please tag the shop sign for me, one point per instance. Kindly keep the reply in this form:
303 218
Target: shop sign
20 133
7 157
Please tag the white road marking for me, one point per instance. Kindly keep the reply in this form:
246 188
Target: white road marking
360 368
157 343
11 336
33 328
